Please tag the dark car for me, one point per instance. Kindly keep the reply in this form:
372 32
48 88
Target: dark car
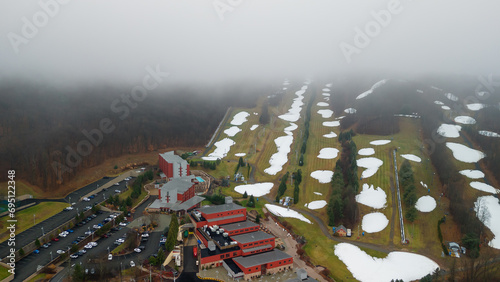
55 239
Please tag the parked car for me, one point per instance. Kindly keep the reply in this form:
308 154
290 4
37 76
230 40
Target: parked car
123 223
46 245
86 199
81 252
88 246
132 263
142 247
68 208
110 257
137 250
55 239
37 251
73 256
117 191
60 252
94 244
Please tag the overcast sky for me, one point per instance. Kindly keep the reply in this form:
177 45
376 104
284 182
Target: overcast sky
114 40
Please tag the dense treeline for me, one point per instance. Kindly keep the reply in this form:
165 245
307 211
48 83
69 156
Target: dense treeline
282 187
306 126
454 184
407 186
50 134
487 119
342 206
297 179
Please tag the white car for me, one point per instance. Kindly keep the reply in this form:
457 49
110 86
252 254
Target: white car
120 240
74 256
132 263
68 209
64 234
117 191
137 250
117 183
94 244
96 226
110 257
60 252
145 235
88 246
123 224
86 199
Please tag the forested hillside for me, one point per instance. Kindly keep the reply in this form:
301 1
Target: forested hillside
49 134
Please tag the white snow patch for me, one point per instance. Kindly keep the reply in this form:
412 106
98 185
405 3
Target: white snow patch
330 135
397 265
476 106
489 133
341 117
328 153
318 193
314 205
280 158
489 205
257 189
284 212
449 130
328 85
411 157
380 142
288 130
369 196
240 154
325 113
322 104
240 118
326 94
254 127
326 90
350 111
438 103
331 123
445 108
232 131
425 204
221 149
293 113
464 153
451 97
323 176
483 187
473 174
366 152
374 222
370 91
465 120
371 164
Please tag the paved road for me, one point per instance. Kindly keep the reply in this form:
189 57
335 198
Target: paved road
53 222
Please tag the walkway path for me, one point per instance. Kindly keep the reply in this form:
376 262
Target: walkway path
401 223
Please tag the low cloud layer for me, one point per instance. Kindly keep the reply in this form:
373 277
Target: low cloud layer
222 40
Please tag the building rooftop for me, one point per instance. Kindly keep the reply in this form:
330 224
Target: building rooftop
251 237
178 205
181 184
238 225
260 259
205 252
172 158
220 208
209 220
249 250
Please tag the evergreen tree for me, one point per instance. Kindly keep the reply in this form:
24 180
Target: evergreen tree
245 195
301 160
296 193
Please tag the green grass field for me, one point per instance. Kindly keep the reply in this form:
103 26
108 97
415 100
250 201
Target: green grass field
4 273
24 218
22 188
127 193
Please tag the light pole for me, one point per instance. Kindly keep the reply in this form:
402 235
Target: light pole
43 233
34 223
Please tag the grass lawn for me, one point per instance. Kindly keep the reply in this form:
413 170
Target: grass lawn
24 218
4 273
127 193
258 206
22 188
